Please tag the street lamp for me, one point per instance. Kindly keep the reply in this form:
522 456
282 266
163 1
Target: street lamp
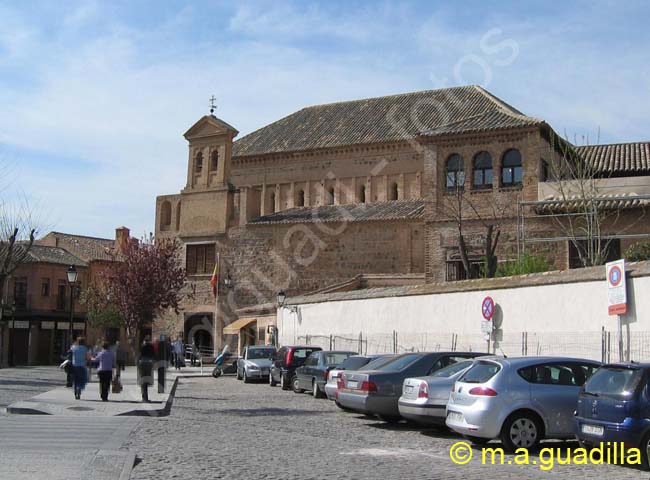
281 297
228 281
72 279
13 333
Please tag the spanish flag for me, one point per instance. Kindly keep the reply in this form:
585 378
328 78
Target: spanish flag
214 281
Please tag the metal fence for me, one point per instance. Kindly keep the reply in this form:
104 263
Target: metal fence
603 346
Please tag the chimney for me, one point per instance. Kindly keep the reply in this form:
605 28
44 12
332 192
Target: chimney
121 238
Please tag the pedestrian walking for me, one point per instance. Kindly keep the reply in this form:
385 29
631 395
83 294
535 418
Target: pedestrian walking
195 353
145 367
120 359
80 356
105 363
178 348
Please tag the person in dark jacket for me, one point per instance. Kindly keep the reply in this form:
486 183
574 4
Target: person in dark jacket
145 367
105 364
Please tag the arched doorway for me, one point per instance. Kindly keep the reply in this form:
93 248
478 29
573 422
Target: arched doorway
199 328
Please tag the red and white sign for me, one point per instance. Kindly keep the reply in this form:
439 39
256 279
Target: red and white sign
616 288
487 308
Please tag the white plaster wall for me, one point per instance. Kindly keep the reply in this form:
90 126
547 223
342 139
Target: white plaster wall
556 313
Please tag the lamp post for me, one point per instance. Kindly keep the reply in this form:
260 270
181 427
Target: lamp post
281 297
72 279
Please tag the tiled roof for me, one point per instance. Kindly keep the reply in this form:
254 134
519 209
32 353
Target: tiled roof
618 157
45 254
86 248
394 210
605 202
383 119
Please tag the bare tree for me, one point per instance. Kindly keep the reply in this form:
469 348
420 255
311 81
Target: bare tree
583 207
18 229
495 208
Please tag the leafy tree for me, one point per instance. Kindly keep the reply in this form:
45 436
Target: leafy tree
638 252
145 279
101 312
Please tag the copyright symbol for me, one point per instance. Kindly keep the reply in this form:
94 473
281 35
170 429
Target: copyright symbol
461 453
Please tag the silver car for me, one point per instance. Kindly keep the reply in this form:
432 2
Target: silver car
255 363
518 400
424 399
355 362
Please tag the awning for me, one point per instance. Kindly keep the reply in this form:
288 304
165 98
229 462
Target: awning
237 325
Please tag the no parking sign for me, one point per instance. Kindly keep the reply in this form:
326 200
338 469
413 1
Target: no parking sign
616 288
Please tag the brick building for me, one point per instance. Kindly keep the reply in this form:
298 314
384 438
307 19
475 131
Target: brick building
41 294
335 191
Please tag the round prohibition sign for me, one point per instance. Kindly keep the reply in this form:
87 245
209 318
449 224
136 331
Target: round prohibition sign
615 276
487 308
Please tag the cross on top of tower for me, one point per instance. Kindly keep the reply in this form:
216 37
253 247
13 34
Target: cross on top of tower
213 106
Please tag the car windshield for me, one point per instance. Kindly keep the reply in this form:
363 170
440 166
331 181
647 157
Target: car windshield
400 362
257 353
481 372
336 358
452 369
377 363
617 383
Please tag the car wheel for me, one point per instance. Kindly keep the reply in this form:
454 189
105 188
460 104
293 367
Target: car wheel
645 452
521 430
315 391
238 375
477 440
284 385
296 385
246 379
272 382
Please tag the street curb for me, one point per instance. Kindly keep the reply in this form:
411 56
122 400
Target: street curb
129 463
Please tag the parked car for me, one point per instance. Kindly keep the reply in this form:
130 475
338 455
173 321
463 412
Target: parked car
286 360
614 406
377 391
518 400
355 362
424 399
314 373
255 363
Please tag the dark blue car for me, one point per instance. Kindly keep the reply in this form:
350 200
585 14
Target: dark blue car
614 406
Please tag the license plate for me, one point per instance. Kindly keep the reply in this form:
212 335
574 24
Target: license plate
455 416
408 389
593 430
352 384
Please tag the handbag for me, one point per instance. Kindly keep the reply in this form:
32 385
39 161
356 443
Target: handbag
64 364
116 385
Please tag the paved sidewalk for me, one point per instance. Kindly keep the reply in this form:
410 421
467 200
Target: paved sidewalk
61 402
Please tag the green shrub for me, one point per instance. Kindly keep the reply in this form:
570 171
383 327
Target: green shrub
638 252
527 263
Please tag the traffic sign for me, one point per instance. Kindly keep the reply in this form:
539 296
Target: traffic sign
487 308
616 288
486 326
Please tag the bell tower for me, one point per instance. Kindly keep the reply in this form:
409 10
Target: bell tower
207 199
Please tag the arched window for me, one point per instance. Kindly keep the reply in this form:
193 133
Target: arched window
393 194
482 170
511 170
301 198
272 202
198 162
330 196
214 160
362 194
178 216
165 214
454 172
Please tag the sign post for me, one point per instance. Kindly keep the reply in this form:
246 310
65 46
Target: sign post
487 310
617 300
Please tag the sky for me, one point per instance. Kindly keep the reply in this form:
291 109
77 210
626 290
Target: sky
96 95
